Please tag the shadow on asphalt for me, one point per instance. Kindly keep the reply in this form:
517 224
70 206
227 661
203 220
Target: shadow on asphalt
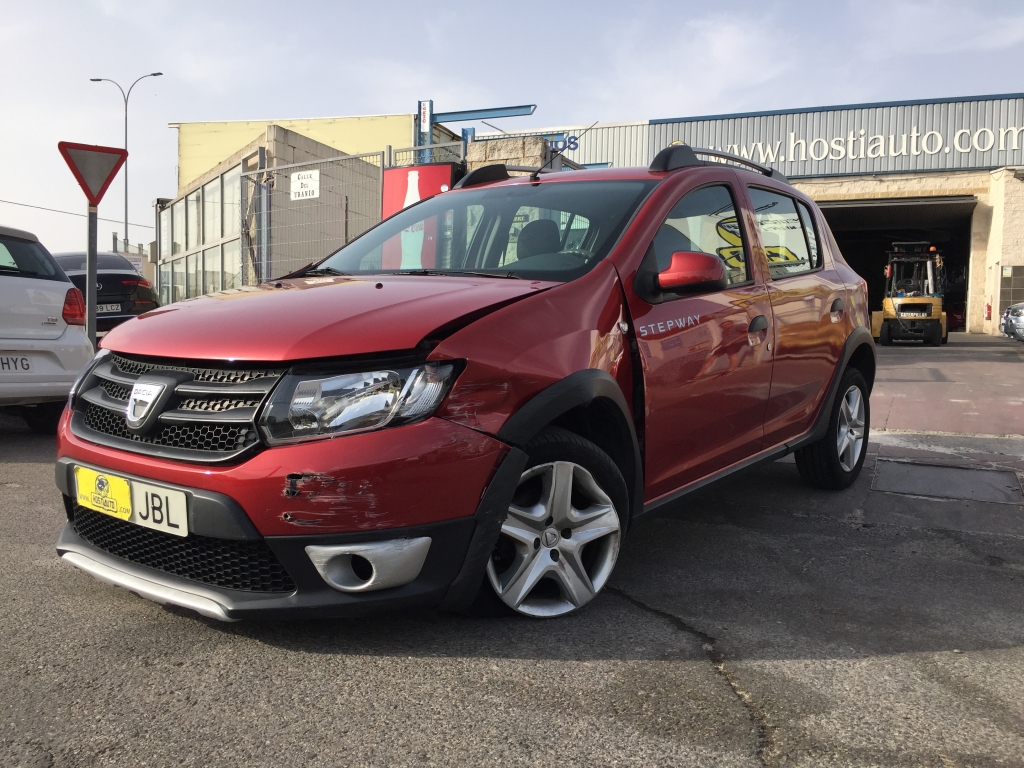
765 569
763 566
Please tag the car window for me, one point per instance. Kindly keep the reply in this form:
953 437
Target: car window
812 238
704 220
547 231
782 234
552 230
76 261
25 258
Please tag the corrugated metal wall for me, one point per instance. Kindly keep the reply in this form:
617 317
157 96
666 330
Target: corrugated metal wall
942 135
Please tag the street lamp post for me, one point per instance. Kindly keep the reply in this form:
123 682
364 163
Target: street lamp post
125 97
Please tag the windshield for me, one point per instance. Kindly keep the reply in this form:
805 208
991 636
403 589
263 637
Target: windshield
546 231
74 261
25 258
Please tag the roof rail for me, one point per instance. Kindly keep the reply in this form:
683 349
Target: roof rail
484 175
683 156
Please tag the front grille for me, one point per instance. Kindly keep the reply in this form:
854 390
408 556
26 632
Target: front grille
116 391
216 404
246 565
209 418
222 438
218 375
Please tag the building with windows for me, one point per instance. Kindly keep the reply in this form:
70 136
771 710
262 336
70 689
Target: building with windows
209 237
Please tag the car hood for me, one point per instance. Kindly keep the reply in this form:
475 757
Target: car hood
312 317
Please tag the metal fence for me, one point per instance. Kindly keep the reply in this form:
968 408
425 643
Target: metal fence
453 152
293 215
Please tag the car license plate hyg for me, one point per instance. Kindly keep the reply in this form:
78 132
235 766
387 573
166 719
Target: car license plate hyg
108 308
15 364
151 506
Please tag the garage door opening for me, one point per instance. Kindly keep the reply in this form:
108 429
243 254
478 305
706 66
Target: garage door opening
866 229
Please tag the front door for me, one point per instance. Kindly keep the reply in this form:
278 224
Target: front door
706 358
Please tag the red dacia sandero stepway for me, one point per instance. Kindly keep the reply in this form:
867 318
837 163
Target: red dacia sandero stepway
472 403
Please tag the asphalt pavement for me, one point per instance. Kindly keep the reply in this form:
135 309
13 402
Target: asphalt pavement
759 623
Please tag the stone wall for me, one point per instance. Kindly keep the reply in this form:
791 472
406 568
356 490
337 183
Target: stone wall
530 151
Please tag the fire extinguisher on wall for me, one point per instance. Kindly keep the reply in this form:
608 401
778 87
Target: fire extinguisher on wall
988 311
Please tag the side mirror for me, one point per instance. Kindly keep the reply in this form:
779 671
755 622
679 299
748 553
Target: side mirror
691 272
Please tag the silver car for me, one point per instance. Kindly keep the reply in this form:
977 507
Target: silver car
1012 322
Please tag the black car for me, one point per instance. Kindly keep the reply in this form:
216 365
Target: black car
121 292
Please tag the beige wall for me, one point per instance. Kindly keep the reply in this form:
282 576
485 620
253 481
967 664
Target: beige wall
201 146
997 225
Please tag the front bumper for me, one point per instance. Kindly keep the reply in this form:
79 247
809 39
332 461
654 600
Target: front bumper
451 572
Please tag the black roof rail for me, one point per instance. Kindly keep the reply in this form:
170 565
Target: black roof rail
484 175
683 156
673 157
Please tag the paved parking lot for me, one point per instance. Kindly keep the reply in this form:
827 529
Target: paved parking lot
761 623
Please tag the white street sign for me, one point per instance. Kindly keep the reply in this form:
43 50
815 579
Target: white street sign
305 185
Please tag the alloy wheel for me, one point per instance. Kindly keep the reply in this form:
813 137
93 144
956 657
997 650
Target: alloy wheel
558 544
850 436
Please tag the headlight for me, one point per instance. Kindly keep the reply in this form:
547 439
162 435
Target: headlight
305 407
83 375
1017 312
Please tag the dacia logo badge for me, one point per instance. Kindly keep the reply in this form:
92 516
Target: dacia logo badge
141 401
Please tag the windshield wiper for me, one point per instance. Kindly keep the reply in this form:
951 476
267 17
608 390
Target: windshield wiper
17 269
326 271
505 275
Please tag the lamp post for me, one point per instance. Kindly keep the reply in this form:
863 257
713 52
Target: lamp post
125 97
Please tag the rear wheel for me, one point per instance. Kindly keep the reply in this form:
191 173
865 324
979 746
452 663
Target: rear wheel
935 335
560 539
43 418
835 461
884 337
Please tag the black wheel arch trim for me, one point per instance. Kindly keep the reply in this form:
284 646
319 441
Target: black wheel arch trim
578 389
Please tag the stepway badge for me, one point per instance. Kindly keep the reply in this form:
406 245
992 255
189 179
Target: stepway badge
305 185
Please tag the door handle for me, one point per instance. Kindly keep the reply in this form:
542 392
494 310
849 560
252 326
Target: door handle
759 323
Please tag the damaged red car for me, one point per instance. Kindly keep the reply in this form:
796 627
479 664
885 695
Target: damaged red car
473 403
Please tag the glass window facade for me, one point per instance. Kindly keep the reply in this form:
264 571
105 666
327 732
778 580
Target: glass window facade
199 247
211 270
232 265
178 224
178 280
193 275
211 211
192 230
165 233
232 201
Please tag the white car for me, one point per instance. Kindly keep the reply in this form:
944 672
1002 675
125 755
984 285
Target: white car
43 345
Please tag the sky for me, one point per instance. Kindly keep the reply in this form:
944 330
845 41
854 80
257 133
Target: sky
578 62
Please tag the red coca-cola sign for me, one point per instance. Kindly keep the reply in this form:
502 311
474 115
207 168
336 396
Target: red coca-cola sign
408 185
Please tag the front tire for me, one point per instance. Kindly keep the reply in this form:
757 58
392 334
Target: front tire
835 461
884 336
560 540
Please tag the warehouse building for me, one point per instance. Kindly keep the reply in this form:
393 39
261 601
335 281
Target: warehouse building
949 171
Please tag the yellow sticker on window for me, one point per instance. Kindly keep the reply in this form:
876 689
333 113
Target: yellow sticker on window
103 492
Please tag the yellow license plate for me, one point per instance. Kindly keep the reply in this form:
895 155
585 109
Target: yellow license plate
103 492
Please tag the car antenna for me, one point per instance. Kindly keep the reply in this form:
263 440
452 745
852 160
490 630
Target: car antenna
536 174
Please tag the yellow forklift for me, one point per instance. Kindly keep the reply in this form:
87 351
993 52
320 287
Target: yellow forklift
915 280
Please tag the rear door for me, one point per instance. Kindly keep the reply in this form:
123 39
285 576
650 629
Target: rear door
32 291
808 302
706 375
